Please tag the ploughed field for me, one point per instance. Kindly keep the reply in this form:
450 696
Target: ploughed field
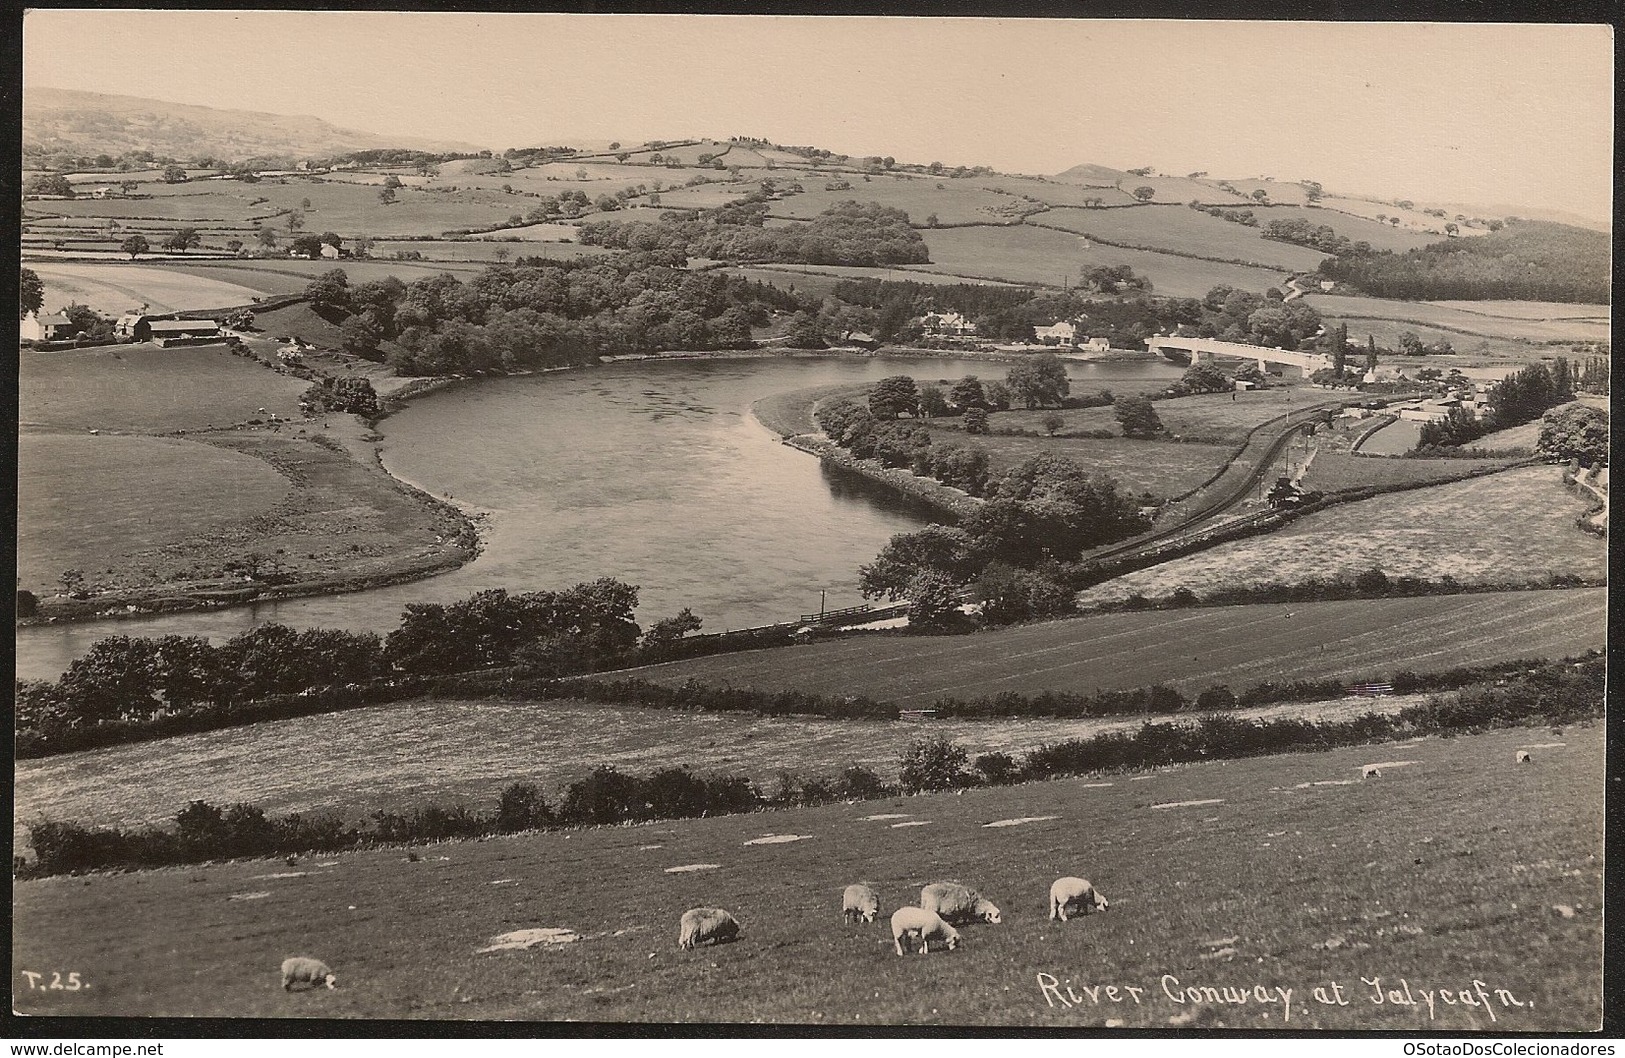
1190 649
1439 880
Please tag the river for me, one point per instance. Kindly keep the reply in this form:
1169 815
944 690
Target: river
653 472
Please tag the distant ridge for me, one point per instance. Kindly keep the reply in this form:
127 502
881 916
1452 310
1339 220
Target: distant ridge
60 119
1092 175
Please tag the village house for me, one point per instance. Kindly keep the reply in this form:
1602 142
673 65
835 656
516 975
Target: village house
951 323
1095 345
36 328
330 252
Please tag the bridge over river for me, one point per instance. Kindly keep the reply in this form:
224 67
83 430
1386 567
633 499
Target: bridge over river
1194 350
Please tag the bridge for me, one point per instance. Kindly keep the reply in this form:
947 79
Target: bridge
1194 350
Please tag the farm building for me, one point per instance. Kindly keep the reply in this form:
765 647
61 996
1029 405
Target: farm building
1095 345
861 339
143 328
36 328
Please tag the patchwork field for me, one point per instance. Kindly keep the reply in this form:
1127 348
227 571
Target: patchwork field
1529 310
955 202
1506 323
1515 527
1183 230
1255 876
1351 226
1027 254
147 389
1336 471
1238 645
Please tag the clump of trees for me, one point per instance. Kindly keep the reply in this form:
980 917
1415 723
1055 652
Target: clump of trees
1577 433
1320 237
849 233
1527 260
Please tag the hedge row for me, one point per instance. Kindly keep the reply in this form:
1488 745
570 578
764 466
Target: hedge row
1553 693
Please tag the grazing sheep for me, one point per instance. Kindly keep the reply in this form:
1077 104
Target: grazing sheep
1370 771
927 925
701 925
304 970
859 904
1523 756
1073 894
958 904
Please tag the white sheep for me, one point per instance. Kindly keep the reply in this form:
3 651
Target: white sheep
1073 895
1523 756
958 904
859 904
927 925
302 969
1370 771
702 925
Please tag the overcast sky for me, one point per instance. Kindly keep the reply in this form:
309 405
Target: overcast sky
1487 114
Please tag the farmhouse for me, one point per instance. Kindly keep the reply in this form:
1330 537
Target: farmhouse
330 251
36 328
1095 345
163 330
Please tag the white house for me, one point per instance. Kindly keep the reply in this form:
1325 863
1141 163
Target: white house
947 323
1061 333
1095 345
330 251
36 328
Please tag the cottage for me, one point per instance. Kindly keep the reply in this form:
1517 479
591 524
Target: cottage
1095 345
861 339
330 252
36 328
951 323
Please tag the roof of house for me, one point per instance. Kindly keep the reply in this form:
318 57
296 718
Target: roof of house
53 320
181 326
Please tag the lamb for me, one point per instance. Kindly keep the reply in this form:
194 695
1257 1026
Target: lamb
859 903
701 925
1523 756
927 925
1073 894
302 969
1370 771
958 904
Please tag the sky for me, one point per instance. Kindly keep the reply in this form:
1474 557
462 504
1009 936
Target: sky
1487 114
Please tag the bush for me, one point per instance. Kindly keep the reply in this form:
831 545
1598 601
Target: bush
933 764
521 807
860 784
1215 699
997 769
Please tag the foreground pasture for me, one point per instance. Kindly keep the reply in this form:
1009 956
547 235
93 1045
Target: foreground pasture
1188 649
1446 874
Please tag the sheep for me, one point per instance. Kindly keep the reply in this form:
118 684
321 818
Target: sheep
1073 894
1370 771
927 925
302 969
700 925
958 904
859 903
1523 756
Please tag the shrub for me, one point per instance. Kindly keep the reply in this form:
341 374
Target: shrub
521 807
933 764
997 769
861 784
605 796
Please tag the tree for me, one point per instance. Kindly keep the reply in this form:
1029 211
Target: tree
135 245
87 322
804 332
1205 377
976 420
1039 381
933 404
174 174
1340 349
933 764
894 395
1370 352
1137 417
386 196
267 236
296 220
392 181
967 393
358 337
306 246
998 396
1052 422
1577 432
1411 345
30 292
1261 196
331 289
182 239
49 184
1144 193
946 550
931 220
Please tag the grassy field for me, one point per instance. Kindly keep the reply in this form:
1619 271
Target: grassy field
1184 230
112 289
88 502
1027 254
1206 418
1529 310
455 751
956 202
1261 882
1336 471
143 388
1191 649
1507 528
1356 228
1137 466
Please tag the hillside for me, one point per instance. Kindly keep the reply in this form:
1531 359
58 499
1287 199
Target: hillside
59 119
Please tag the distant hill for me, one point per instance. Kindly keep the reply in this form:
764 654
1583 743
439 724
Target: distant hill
59 119
1091 175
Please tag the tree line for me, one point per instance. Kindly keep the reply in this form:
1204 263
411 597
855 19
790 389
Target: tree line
849 233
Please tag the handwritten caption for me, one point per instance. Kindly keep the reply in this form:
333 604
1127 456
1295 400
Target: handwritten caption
58 983
1066 993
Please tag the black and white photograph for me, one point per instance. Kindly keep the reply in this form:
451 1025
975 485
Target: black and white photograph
826 521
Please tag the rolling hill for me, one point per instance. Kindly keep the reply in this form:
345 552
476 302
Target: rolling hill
59 119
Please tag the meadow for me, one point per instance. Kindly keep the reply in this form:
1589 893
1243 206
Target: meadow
1506 322
142 388
89 501
1514 527
1235 873
1187 649
1182 230
1028 254
955 202
1164 470
1333 471
1357 228
112 289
